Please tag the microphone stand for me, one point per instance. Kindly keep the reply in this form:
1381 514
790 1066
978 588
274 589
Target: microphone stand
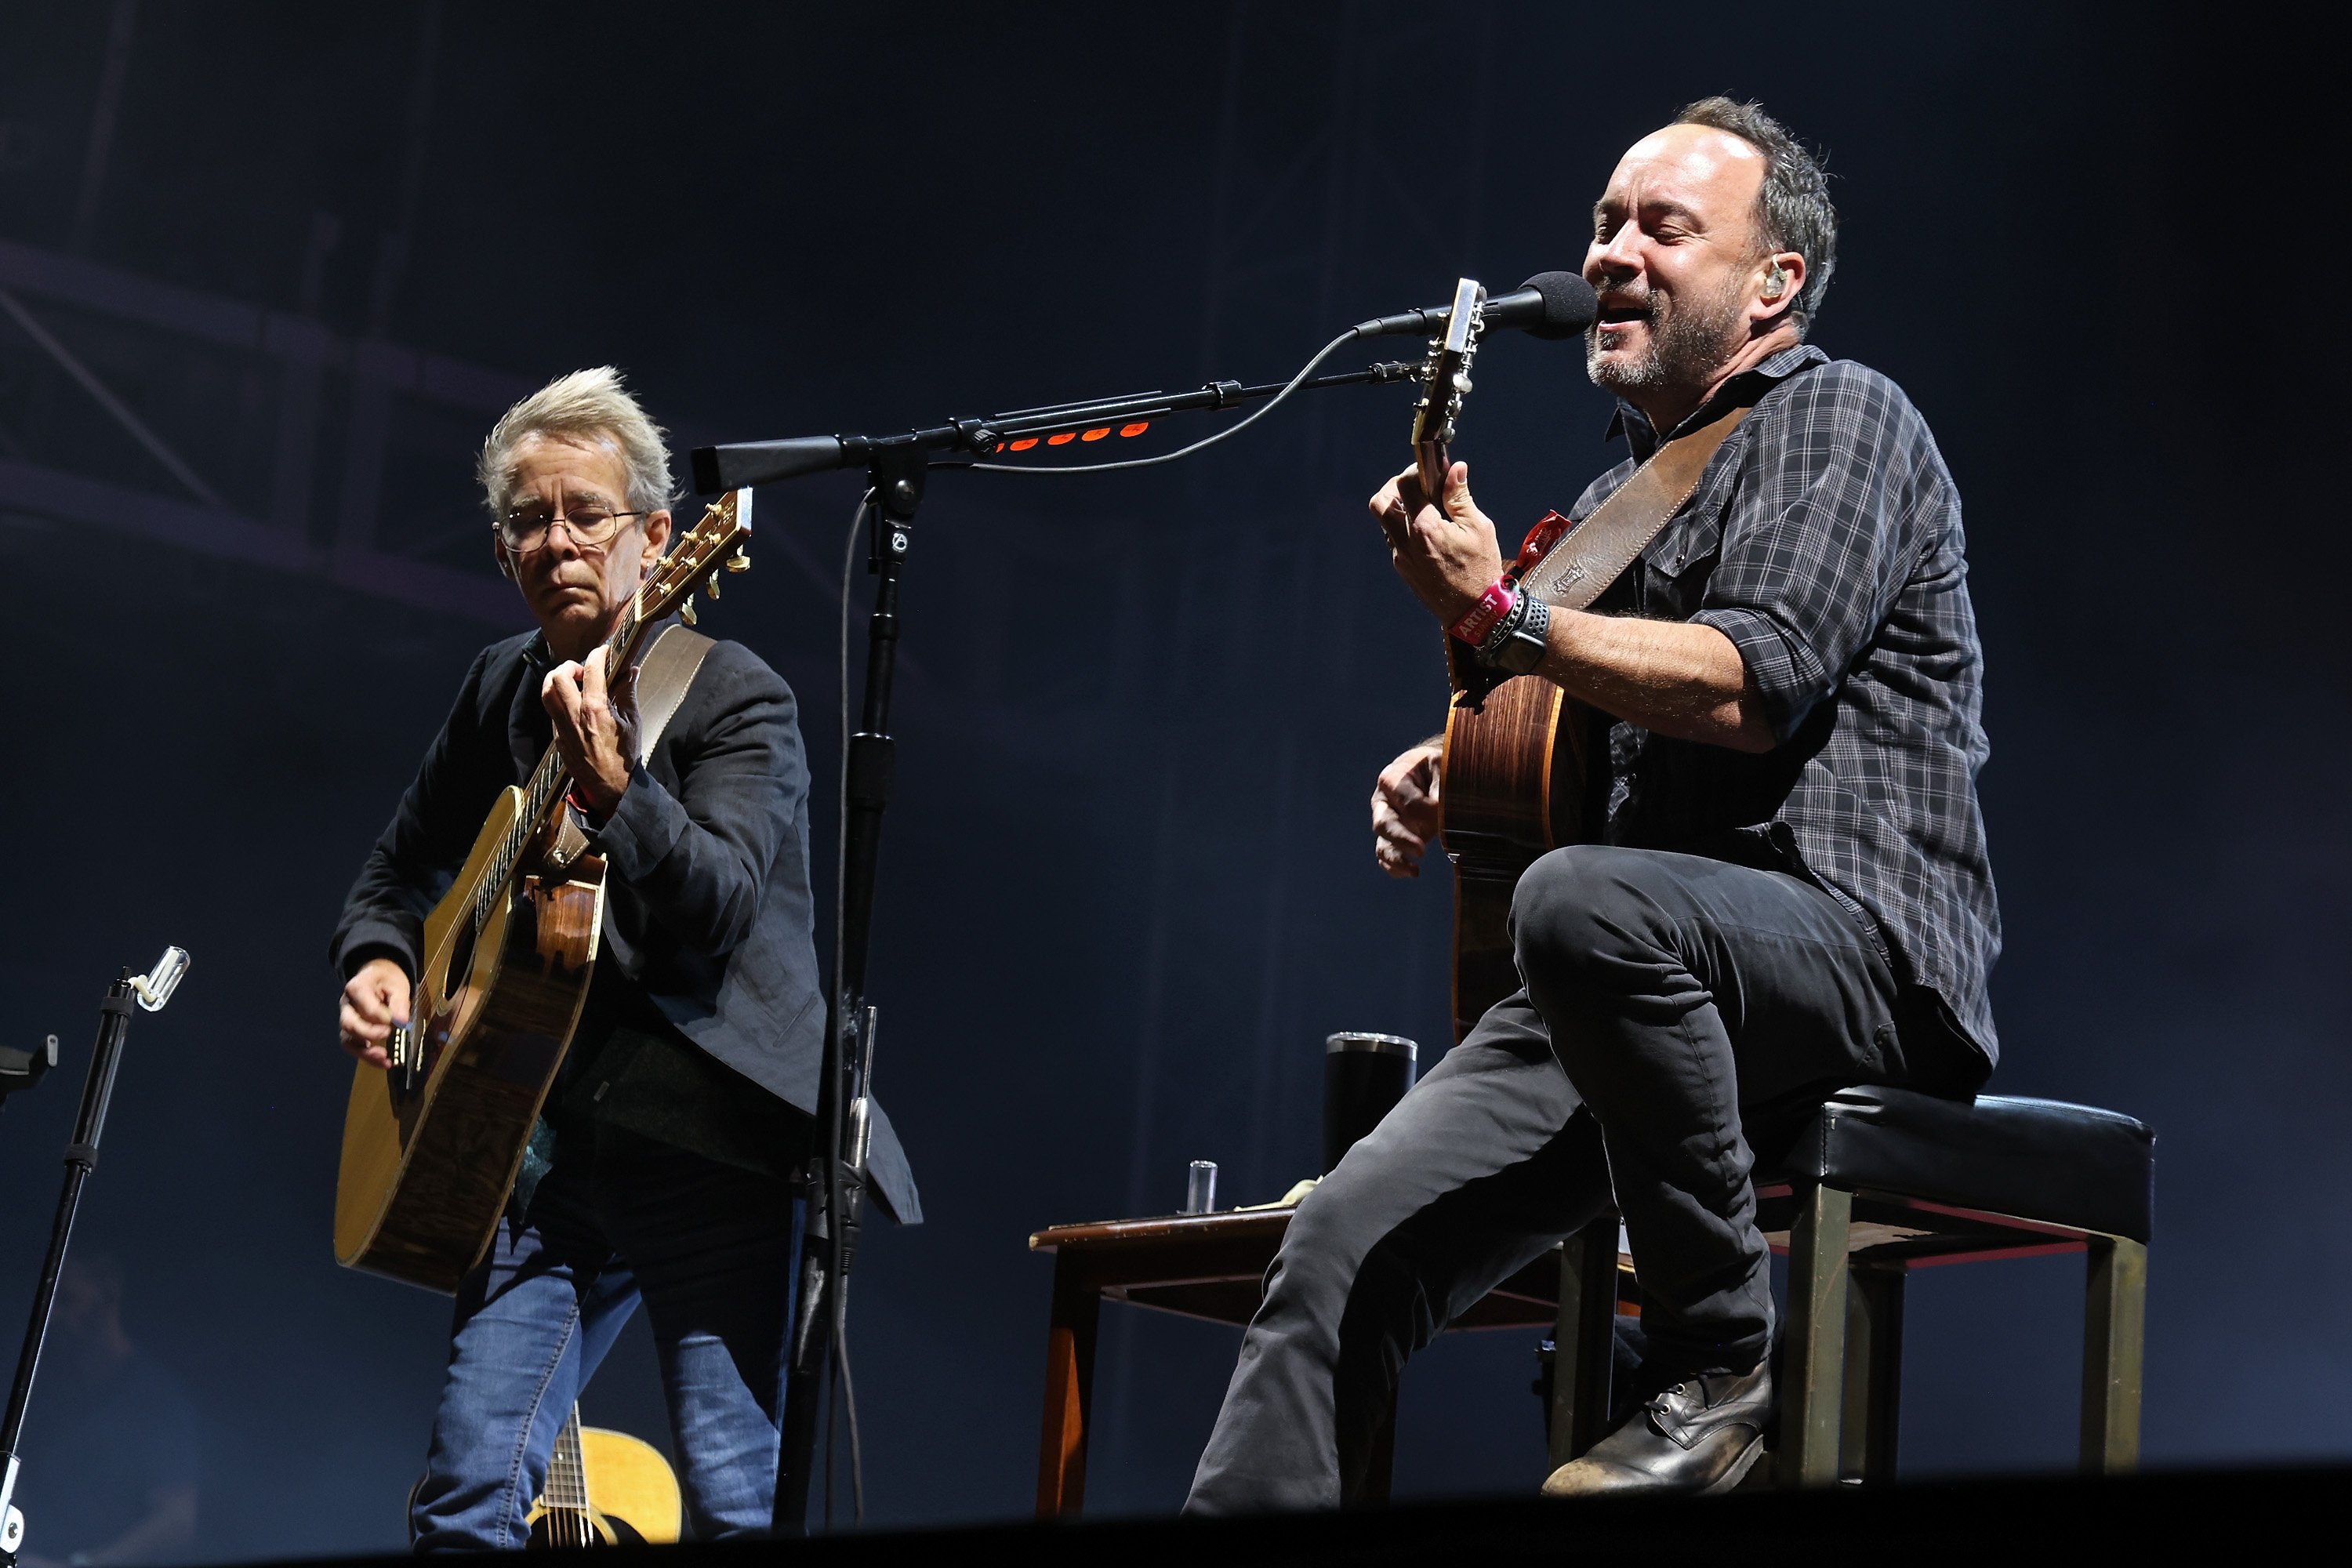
151 991
832 1182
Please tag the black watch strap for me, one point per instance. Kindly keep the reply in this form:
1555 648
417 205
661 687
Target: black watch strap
1518 645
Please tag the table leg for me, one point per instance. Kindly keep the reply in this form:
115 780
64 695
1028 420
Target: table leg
1069 1389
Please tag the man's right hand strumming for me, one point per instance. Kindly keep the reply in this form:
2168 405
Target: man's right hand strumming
375 999
1404 809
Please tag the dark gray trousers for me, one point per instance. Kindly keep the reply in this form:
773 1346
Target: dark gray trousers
1673 1007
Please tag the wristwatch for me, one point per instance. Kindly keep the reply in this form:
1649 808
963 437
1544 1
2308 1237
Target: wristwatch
1520 640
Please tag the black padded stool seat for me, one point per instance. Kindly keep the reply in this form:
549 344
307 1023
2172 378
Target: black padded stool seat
2063 1165
1879 1182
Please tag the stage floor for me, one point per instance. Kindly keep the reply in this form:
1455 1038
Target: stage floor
2159 1517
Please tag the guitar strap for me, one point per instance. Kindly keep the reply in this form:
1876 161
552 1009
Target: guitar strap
664 675
1596 552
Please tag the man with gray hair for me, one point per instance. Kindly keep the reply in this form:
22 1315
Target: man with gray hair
659 1168
1789 894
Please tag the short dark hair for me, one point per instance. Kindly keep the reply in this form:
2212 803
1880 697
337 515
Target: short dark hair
1793 211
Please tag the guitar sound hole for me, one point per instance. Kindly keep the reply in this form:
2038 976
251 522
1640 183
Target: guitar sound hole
461 960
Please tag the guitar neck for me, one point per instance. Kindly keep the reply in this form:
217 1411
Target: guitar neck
552 778
1431 461
567 1471
1447 385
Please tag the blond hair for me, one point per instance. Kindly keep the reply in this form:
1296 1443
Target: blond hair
583 406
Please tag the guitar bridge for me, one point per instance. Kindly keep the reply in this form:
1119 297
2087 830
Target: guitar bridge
405 1053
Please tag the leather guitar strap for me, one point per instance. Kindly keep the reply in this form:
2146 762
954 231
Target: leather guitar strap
1596 552
664 676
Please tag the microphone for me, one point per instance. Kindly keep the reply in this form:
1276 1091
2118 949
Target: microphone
718 469
1547 305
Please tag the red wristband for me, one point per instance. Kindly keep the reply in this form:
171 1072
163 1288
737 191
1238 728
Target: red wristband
1492 606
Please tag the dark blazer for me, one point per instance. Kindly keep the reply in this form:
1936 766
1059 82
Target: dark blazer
708 907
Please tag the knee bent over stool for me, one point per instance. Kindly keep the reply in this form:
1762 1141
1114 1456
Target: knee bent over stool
1883 1181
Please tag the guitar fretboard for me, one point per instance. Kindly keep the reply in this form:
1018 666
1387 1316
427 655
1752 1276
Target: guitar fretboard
567 1472
548 782
569 1522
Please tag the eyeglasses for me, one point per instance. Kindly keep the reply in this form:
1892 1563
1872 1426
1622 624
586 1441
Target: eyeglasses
524 532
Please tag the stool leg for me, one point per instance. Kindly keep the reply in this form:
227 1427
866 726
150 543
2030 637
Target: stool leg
1873 1373
1069 1389
1583 1340
1812 1347
2115 1330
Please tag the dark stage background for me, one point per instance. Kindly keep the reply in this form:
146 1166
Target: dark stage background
312 250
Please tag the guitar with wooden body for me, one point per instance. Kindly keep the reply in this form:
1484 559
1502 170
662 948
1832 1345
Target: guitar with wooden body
1515 779
604 1488
432 1145
1511 777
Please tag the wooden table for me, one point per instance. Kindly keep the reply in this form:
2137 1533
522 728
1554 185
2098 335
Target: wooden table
1210 1267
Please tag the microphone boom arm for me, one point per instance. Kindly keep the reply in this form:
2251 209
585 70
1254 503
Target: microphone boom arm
744 463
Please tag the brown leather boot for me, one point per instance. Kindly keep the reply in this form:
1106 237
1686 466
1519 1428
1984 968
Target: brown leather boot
1702 1436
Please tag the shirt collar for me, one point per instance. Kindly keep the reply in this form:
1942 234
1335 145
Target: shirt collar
1635 425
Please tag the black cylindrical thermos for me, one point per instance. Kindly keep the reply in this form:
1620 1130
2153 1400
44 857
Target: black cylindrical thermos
1363 1077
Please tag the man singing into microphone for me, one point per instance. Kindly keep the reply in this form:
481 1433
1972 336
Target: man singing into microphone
1792 893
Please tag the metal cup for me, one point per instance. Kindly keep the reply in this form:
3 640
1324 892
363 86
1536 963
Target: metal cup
1363 1077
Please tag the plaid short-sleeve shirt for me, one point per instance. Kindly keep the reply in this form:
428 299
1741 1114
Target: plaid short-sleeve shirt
1824 540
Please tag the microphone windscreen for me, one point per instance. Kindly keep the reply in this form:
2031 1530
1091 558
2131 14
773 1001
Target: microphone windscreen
1569 305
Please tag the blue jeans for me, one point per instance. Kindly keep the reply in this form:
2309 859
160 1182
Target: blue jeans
710 1248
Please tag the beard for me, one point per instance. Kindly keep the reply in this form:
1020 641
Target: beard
1687 343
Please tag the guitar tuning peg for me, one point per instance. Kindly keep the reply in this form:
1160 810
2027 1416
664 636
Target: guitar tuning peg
712 584
739 561
686 610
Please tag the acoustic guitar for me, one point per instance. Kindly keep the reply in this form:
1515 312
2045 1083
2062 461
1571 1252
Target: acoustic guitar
1511 778
1516 777
604 1488
431 1146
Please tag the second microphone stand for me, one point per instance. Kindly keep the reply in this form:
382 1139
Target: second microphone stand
832 1182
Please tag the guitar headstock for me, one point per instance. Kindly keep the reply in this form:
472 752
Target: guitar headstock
1448 384
694 563
712 546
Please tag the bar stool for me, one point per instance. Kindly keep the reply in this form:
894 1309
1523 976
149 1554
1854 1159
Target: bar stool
1879 1182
